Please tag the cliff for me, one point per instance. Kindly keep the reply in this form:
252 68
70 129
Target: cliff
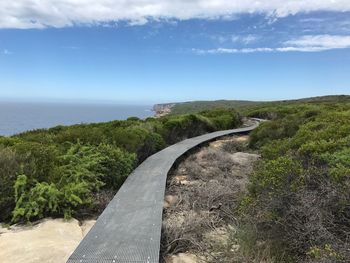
163 109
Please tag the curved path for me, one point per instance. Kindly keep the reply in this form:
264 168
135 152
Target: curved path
129 229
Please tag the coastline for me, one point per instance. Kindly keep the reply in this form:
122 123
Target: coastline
19 117
162 110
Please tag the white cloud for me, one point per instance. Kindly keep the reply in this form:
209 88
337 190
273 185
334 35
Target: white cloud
308 43
237 39
244 39
62 13
231 50
319 42
6 52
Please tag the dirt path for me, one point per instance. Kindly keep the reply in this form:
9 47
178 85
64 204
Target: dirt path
202 193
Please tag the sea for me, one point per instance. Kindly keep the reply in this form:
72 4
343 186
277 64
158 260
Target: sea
17 117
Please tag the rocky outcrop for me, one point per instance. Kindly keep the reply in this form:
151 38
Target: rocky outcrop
162 109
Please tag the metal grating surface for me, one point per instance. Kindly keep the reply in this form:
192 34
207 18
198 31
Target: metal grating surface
129 229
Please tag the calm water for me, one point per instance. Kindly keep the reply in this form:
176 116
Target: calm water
16 117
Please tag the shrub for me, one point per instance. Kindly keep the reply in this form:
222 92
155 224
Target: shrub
83 170
153 143
8 141
133 119
75 180
116 165
35 202
83 161
275 149
130 139
178 128
234 146
86 134
299 194
276 176
9 167
223 119
274 130
37 160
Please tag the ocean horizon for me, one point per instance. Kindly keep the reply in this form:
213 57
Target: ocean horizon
18 117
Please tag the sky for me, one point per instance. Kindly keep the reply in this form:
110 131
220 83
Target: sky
148 51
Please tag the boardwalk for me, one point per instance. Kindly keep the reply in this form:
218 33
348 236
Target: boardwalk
129 229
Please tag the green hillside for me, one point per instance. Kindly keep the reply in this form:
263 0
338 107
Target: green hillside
197 106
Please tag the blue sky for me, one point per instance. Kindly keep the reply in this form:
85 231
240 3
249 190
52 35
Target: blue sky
176 52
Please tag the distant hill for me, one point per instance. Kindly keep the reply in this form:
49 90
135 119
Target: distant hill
329 98
197 106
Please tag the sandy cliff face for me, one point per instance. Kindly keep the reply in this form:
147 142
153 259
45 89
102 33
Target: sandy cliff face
49 241
162 109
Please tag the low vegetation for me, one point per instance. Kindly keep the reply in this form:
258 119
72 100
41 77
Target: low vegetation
198 106
298 205
74 170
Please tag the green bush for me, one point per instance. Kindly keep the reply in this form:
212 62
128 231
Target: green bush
276 176
153 143
222 119
82 171
35 202
62 171
86 134
37 160
115 166
275 148
186 126
299 193
275 130
9 167
133 119
8 141
130 139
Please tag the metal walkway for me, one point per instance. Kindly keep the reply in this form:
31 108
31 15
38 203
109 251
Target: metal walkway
129 229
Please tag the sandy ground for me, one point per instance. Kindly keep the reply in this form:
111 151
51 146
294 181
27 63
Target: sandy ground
47 241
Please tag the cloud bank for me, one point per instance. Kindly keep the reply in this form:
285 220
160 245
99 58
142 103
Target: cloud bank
64 13
308 43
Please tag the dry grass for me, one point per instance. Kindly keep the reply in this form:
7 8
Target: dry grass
207 186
